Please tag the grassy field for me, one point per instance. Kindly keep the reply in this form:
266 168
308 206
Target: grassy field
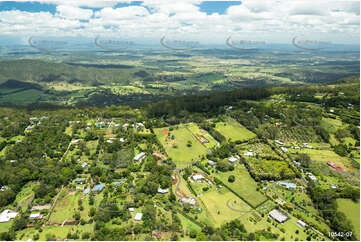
4 227
352 212
187 224
325 156
177 148
244 185
25 194
65 208
218 206
26 96
330 124
198 132
234 131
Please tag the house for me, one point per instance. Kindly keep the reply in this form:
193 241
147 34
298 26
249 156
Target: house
84 164
279 142
12 161
158 156
163 191
301 223
284 149
110 141
334 166
126 125
248 153
7 215
232 159
288 185
311 176
116 184
139 156
80 188
138 217
197 177
122 140
98 188
86 191
212 163
79 180
278 216
35 216
333 187
190 200
131 209
4 188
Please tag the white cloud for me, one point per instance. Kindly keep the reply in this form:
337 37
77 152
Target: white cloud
185 19
72 12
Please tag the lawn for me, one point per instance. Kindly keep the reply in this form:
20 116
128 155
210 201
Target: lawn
187 224
23 196
4 227
65 208
352 211
201 133
175 140
224 207
324 156
330 124
244 185
234 131
59 231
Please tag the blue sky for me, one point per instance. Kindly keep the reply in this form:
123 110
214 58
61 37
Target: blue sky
273 21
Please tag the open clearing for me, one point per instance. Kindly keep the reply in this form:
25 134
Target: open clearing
175 140
65 208
324 156
234 131
216 204
352 211
244 185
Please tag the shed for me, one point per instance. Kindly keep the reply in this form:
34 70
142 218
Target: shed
278 216
138 217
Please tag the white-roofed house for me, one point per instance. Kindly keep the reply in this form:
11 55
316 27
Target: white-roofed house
163 191
7 215
139 156
197 177
138 217
35 216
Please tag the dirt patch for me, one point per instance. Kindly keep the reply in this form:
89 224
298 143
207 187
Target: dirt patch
165 131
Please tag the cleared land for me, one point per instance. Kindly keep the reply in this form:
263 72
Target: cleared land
244 185
352 211
175 140
234 131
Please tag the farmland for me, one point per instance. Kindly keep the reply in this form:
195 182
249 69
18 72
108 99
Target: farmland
180 144
234 131
249 192
351 210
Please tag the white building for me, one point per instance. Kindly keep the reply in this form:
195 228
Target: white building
312 177
248 153
279 142
284 149
212 163
232 159
138 217
197 177
139 156
278 215
35 216
190 201
160 190
131 209
7 215
301 223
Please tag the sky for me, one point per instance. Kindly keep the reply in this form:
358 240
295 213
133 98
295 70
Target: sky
204 22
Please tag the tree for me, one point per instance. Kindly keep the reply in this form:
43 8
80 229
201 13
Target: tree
231 178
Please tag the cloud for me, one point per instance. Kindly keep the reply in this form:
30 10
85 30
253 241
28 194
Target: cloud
155 18
71 12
